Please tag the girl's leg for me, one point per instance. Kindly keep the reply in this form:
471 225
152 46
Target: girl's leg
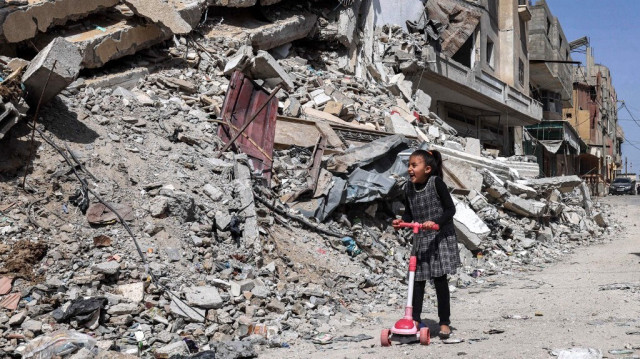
442 293
418 297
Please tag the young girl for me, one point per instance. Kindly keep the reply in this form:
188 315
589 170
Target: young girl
428 201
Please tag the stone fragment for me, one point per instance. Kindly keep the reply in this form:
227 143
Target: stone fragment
422 102
276 306
159 207
61 61
133 292
17 318
190 313
470 229
238 288
473 146
32 326
126 79
397 124
177 349
204 297
525 207
264 66
518 189
239 60
107 268
123 308
215 193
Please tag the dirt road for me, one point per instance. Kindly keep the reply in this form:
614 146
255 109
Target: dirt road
575 310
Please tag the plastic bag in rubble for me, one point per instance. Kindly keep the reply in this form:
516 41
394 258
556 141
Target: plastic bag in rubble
58 344
352 246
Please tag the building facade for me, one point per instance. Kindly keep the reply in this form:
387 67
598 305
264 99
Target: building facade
555 142
478 72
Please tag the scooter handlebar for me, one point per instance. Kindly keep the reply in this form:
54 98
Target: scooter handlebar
416 227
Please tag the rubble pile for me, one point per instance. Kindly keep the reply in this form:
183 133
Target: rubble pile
136 234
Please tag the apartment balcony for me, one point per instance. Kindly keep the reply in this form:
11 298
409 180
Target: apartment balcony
456 83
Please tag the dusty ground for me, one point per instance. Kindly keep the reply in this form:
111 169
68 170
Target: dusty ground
575 311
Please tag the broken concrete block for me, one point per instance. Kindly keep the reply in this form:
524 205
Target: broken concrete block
545 234
422 102
133 292
518 189
239 60
178 349
525 207
264 66
215 193
334 108
470 229
238 288
165 14
347 23
292 107
190 313
473 146
490 179
319 97
283 31
204 297
19 23
397 124
498 193
458 174
67 59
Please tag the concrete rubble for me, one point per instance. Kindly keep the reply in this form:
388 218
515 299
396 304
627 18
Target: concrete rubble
220 259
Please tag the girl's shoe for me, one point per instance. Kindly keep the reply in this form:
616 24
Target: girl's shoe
445 332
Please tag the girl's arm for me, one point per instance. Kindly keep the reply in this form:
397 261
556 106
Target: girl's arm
407 216
448 208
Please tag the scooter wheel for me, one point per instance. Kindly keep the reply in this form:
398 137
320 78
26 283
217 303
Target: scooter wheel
384 338
425 336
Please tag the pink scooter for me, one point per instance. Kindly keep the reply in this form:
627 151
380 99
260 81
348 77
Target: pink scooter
405 330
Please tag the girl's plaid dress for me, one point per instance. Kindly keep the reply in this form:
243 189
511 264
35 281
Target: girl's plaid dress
436 251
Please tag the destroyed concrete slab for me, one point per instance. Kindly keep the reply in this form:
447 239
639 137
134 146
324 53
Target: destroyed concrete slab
19 23
59 62
470 229
287 27
126 79
264 66
113 38
564 184
525 207
166 14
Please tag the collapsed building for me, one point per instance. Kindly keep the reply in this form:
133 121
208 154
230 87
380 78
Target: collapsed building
227 184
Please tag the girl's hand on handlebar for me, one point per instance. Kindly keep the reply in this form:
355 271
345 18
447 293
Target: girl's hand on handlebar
428 225
395 223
